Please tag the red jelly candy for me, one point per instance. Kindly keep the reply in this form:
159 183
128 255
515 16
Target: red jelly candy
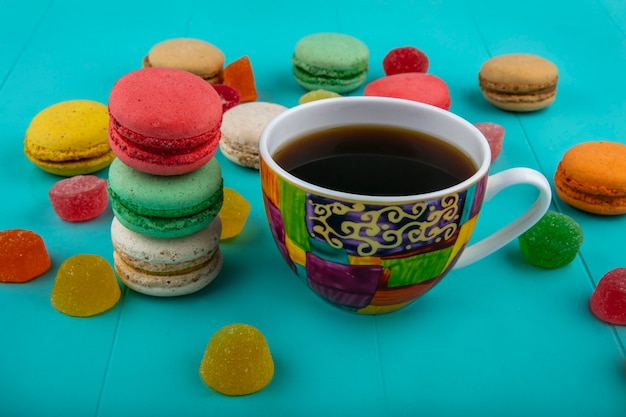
230 97
494 133
405 59
79 198
608 301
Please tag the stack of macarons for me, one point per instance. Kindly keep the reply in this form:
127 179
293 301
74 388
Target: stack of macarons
165 186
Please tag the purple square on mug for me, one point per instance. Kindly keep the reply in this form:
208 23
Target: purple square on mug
347 285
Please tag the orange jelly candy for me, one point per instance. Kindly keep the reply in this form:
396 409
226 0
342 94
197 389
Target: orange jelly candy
233 214
85 285
237 361
238 75
23 256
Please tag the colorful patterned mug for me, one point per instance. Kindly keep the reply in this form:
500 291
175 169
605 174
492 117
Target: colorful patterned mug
376 254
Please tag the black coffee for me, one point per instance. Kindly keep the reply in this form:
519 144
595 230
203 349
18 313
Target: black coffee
375 160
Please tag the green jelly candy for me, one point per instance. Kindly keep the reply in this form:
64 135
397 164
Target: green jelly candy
552 242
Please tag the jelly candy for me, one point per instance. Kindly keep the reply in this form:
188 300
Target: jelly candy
317 95
237 361
229 96
494 133
238 74
552 242
79 198
23 255
234 212
405 59
85 285
608 300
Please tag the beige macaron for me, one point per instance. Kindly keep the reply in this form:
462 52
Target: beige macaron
518 82
166 267
188 54
241 130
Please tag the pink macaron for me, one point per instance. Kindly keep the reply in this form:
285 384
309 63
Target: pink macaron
425 88
164 121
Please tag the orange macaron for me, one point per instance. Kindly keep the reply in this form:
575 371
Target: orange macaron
591 176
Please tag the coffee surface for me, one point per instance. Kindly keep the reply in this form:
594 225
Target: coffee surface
375 160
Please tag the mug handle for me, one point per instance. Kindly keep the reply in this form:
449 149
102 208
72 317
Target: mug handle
495 184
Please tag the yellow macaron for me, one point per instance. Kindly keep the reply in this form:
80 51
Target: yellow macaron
70 138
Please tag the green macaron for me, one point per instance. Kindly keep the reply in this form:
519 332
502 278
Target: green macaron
165 207
330 61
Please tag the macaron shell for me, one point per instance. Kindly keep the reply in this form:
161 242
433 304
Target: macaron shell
520 103
331 54
421 87
245 122
165 103
241 130
591 176
518 72
246 156
193 55
69 138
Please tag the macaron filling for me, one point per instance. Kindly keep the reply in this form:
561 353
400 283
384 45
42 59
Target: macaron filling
172 284
75 166
155 145
181 153
164 268
166 227
309 79
214 200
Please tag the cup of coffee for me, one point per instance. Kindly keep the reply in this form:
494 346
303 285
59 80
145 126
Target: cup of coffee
372 201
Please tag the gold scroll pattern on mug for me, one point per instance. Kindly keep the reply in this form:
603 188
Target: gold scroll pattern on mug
372 229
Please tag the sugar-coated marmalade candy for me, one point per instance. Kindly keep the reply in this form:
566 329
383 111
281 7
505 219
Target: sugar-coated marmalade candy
494 133
552 242
405 59
85 285
608 300
237 361
79 198
23 255
317 95
239 75
233 214
230 97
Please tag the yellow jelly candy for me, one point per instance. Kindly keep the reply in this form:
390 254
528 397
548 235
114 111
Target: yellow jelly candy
237 361
234 213
317 95
85 285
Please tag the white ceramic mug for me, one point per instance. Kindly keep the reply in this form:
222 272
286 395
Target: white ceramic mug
375 254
